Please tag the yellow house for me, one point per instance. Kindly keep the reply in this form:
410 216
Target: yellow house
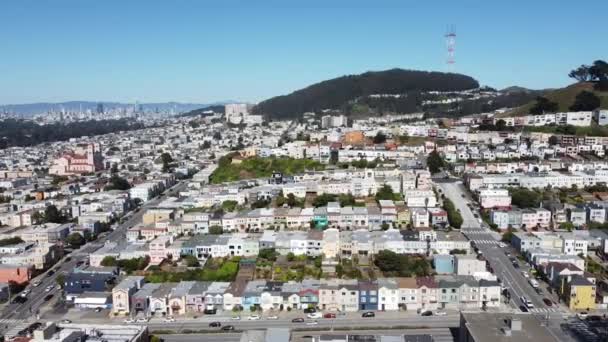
155 215
579 293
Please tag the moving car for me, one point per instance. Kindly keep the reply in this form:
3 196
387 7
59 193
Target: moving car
19 300
427 313
142 320
272 317
98 309
215 324
236 318
209 311
129 320
36 284
525 274
297 320
169 319
441 313
314 315
523 308
25 293
48 297
66 321
368 314
329 315
312 323
253 318
228 328
526 302
582 314
547 302
49 288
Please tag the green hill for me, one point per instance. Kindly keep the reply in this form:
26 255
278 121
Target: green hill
339 92
564 97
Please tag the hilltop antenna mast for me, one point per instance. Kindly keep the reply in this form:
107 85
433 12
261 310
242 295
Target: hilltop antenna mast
450 42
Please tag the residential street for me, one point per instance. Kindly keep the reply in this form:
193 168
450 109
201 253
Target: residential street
487 242
15 316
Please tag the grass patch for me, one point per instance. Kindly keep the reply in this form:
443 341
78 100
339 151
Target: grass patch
257 167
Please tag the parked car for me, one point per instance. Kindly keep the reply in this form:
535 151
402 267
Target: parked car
582 314
368 314
169 319
272 317
129 320
209 311
236 318
329 315
228 327
525 274
310 310
441 313
142 320
253 318
314 315
547 302
593 318
215 324
98 309
66 321
48 297
297 320
427 313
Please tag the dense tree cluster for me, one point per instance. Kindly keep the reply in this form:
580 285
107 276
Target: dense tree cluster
435 162
585 101
27 133
596 73
543 105
402 265
525 198
454 218
127 265
335 93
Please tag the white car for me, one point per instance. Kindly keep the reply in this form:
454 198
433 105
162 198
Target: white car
66 321
169 319
441 313
272 317
142 320
253 318
582 315
25 293
315 315
36 284
236 318
525 274
312 323
49 288
129 320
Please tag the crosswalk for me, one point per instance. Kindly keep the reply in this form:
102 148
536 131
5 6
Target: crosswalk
543 310
10 322
486 242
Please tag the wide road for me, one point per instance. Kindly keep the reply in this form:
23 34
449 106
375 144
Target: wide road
16 313
439 335
512 278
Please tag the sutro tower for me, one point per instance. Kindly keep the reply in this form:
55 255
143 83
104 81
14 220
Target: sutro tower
450 41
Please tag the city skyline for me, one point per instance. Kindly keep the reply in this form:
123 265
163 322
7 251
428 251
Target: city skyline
211 52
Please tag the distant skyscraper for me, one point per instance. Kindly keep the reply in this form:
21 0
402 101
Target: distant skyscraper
100 108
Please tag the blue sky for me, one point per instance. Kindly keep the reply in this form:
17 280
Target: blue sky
205 51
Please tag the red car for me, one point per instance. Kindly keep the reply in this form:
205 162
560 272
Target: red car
329 315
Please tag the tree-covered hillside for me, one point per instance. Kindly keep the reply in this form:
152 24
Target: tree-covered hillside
334 93
27 133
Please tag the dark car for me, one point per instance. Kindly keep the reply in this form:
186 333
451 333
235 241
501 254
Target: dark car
50 273
19 300
215 324
297 320
547 302
329 315
368 314
48 297
593 318
68 259
209 311
515 264
310 310
523 308
538 290
427 313
228 328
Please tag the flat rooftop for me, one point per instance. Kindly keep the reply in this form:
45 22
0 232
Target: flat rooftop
491 327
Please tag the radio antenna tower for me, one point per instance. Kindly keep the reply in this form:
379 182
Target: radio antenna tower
450 42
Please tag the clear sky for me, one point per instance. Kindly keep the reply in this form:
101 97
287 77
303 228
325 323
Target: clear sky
205 51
